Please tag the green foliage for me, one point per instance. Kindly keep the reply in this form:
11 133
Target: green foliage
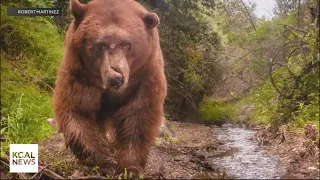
192 77
173 140
300 109
307 113
265 103
193 34
287 87
37 40
190 39
212 110
25 109
31 50
28 3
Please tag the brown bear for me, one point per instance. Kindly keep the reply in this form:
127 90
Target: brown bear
111 83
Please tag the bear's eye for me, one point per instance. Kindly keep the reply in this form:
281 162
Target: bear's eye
127 46
101 46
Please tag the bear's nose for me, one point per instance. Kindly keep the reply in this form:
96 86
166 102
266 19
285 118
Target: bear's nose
116 82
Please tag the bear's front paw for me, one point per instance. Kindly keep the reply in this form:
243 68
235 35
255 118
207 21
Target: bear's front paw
98 161
131 172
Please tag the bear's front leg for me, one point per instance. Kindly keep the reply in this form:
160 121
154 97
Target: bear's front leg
86 141
136 128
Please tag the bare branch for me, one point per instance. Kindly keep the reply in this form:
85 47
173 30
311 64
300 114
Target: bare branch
283 48
187 98
248 16
270 63
296 29
286 66
241 78
241 58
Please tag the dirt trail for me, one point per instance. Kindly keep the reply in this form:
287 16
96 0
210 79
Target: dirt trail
179 157
201 152
186 156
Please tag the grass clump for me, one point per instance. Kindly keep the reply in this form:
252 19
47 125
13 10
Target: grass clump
214 110
172 140
31 50
220 110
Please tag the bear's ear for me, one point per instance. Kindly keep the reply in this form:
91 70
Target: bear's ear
77 9
151 20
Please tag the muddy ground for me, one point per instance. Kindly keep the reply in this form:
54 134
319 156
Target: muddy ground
191 153
181 156
298 152
196 151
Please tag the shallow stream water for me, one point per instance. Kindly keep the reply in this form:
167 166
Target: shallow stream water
245 159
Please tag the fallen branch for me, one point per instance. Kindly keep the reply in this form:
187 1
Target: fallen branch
51 174
284 136
54 175
41 169
3 139
6 163
91 177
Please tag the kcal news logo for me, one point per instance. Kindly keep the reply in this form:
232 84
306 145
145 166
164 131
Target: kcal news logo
24 158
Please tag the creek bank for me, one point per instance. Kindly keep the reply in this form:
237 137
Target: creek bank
201 151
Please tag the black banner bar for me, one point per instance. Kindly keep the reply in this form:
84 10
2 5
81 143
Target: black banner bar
34 12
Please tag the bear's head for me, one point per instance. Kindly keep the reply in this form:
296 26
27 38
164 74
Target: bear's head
112 39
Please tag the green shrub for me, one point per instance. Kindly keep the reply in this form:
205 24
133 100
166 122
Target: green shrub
212 110
25 108
265 103
31 50
269 108
307 112
190 40
26 119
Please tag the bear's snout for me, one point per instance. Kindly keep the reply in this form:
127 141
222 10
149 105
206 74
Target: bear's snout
116 81
114 72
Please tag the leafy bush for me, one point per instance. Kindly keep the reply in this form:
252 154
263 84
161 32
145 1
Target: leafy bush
271 108
265 103
213 110
223 110
189 42
283 54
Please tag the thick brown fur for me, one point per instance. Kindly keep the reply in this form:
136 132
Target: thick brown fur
86 110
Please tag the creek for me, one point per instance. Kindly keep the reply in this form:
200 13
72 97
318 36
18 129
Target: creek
244 158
